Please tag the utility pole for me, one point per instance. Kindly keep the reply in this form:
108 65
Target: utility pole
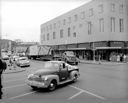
93 51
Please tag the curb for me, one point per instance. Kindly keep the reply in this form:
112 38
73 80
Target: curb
102 63
16 71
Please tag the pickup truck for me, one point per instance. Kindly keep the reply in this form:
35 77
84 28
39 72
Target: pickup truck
52 74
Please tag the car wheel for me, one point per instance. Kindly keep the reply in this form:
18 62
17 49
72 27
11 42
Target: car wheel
75 78
52 86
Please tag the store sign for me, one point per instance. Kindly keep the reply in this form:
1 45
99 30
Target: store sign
117 44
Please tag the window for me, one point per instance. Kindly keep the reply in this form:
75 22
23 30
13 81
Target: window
47 28
89 27
101 25
90 12
74 34
54 25
64 22
82 15
69 19
59 23
61 33
101 8
51 27
121 25
48 36
75 17
43 37
112 24
113 7
69 32
54 35
121 8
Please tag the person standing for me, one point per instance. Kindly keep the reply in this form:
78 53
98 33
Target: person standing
3 66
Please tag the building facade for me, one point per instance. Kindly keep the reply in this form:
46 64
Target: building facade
98 28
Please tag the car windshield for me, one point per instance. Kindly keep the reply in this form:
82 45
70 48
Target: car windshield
51 65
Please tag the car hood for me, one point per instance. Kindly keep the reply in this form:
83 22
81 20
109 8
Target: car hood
25 61
45 72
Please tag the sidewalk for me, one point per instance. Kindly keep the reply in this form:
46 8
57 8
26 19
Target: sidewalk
12 70
101 62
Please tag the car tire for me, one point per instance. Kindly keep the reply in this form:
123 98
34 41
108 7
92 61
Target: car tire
52 85
75 78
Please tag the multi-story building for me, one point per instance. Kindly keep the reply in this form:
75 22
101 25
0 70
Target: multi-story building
99 27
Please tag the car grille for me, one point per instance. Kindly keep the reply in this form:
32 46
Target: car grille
73 59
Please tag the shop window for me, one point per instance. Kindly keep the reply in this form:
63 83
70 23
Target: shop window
121 25
61 33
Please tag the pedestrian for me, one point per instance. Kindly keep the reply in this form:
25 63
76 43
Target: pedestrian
118 58
3 66
10 63
124 58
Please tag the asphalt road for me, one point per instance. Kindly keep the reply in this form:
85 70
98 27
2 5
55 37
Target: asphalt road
97 84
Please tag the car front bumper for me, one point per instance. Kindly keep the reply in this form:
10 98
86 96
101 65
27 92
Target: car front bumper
37 84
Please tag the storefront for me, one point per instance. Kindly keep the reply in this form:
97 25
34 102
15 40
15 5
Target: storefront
102 50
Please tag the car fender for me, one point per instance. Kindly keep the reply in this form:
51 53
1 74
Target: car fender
52 77
73 73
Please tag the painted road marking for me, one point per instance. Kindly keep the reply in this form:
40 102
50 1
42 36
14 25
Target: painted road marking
75 95
14 86
22 95
85 91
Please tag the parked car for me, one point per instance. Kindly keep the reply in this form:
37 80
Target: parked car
70 58
23 61
5 57
52 74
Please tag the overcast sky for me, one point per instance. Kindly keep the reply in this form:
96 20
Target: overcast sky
21 19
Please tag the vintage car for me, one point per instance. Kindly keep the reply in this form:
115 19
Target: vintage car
23 61
70 58
52 74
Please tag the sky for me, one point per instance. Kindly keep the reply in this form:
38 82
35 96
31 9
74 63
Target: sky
21 19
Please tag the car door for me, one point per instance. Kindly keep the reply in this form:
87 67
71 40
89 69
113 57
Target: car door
63 72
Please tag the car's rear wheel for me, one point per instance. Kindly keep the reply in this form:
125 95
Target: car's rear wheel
52 85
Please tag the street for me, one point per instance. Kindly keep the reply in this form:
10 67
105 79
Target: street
98 83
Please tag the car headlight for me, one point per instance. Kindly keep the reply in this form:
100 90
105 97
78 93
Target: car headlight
30 75
44 78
